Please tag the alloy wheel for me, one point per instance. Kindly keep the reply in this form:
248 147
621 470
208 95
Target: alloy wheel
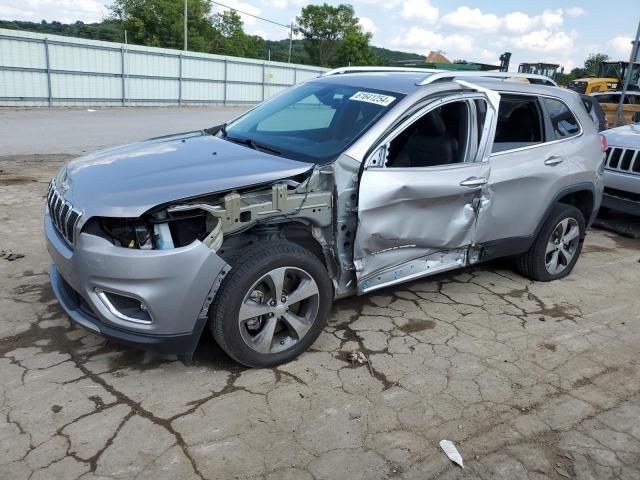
278 310
562 245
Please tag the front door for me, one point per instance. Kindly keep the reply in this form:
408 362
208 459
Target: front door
422 190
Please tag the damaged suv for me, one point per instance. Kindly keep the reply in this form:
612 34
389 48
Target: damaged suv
342 185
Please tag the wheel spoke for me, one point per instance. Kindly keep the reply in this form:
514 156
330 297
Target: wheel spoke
276 279
566 255
573 233
551 246
250 309
298 324
307 288
564 225
262 341
552 265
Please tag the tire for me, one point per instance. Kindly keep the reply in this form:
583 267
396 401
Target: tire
285 327
538 262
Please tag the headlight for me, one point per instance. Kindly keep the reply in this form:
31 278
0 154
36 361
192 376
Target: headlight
63 182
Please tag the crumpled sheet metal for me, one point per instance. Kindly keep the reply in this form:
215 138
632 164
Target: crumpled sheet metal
385 237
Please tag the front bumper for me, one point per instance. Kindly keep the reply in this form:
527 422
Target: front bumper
622 192
175 285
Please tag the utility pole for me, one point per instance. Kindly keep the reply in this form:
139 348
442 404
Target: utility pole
185 25
290 41
627 78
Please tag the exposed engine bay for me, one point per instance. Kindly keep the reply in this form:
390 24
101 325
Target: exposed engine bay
300 209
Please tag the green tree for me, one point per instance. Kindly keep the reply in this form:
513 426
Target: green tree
231 39
592 63
354 49
323 28
160 23
590 69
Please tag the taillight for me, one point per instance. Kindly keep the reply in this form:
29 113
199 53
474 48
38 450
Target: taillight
603 142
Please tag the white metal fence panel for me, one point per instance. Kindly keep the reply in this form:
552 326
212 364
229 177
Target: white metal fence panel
38 69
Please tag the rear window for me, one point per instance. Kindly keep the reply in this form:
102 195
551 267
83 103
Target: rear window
563 121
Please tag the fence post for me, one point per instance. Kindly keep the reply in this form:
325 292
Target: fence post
180 79
295 76
122 62
48 65
264 79
226 73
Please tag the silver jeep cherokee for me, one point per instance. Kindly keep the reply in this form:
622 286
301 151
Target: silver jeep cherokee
348 183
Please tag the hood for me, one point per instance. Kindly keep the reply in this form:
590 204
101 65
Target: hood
624 136
127 181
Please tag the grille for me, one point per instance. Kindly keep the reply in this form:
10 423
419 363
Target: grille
63 215
625 160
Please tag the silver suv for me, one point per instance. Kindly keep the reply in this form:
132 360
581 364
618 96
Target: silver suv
343 185
622 169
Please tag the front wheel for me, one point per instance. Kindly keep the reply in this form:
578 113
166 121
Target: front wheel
272 305
557 247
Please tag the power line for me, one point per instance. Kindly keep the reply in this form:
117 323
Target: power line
252 15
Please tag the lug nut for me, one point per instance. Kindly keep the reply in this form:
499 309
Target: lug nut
283 299
272 303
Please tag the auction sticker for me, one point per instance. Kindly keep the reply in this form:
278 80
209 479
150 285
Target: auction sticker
371 97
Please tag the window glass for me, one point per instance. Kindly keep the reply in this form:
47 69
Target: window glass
563 122
438 138
307 114
519 123
313 122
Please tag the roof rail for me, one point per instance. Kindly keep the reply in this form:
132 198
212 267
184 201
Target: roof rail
336 71
435 75
451 74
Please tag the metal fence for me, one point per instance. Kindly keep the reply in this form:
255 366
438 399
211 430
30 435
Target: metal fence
51 70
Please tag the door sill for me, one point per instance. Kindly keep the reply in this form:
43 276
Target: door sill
420 267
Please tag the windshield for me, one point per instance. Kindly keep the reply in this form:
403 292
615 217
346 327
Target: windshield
314 122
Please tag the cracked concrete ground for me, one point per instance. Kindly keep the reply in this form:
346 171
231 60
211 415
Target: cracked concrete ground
529 380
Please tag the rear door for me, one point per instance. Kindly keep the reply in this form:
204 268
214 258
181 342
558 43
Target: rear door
529 165
417 215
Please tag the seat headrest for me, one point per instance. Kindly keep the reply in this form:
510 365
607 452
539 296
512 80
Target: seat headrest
520 116
432 124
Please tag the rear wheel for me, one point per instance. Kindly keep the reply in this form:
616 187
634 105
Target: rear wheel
273 304
557 247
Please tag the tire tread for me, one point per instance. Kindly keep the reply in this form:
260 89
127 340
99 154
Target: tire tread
242 265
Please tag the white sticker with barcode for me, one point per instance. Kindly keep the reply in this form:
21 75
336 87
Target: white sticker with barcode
371 97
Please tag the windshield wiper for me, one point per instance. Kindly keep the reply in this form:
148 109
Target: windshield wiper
217 129
253 144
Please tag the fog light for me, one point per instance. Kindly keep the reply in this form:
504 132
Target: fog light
125 308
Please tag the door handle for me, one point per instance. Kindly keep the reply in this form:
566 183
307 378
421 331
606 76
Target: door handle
553 161
473 182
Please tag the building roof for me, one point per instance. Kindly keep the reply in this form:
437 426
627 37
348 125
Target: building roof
436 57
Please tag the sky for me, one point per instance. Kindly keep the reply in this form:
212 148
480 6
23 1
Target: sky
556 31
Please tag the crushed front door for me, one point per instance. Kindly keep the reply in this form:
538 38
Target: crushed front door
415 221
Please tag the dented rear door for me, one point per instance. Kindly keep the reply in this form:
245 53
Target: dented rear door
416 221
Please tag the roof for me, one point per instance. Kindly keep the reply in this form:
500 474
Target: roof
407 82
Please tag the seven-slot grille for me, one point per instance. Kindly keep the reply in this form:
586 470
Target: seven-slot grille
63 215
621 159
